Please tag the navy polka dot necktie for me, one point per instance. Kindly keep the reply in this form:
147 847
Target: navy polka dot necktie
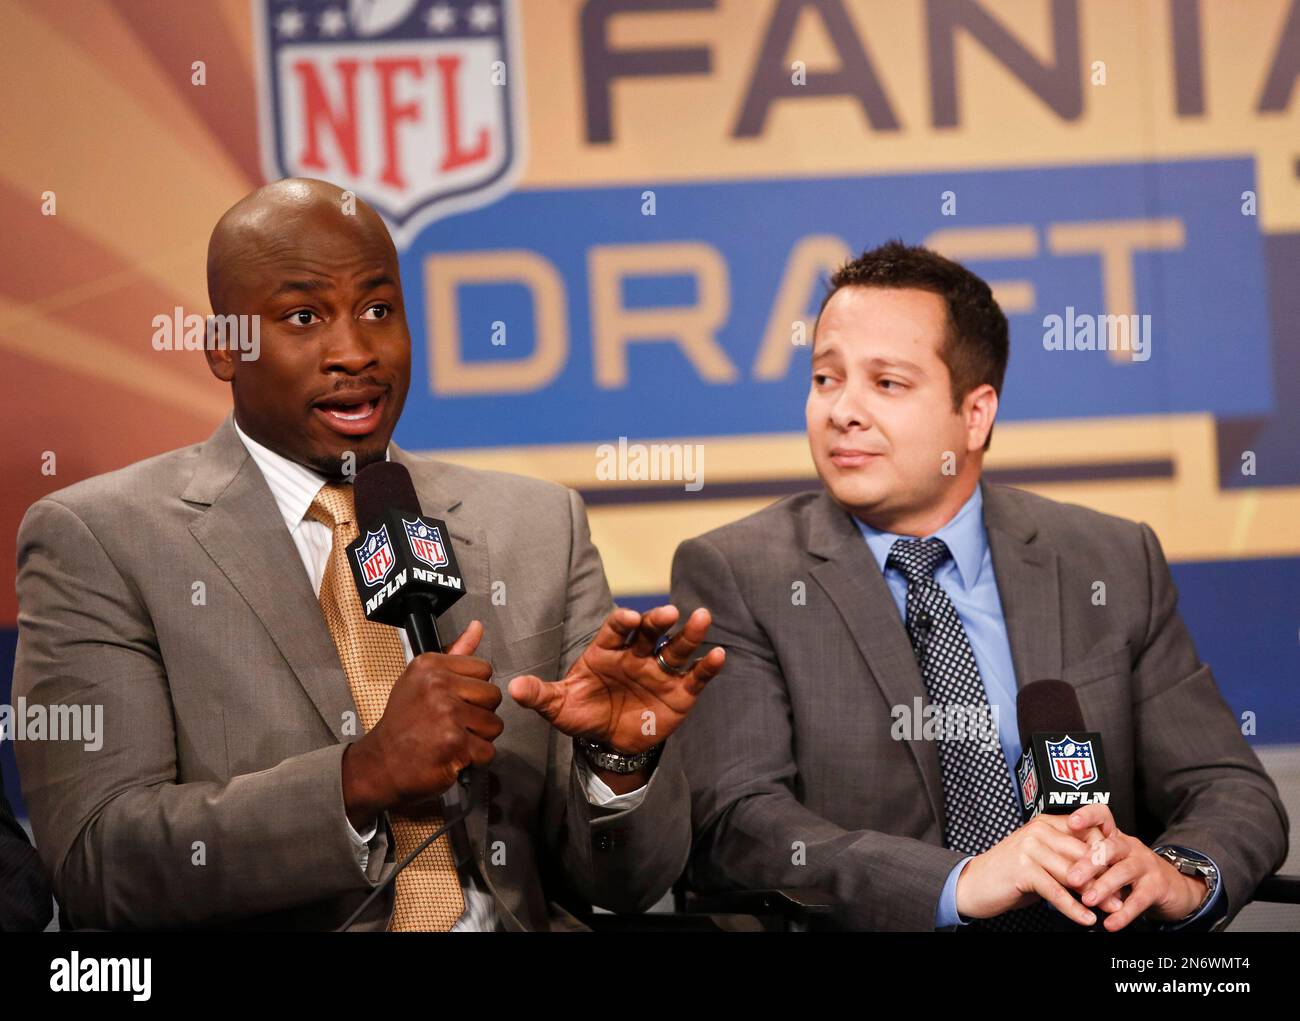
980 802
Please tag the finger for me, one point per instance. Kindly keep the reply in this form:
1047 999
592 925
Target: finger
1057 865
477 692
1102 854
461 666
1112 904
1093 815
1069 847
480 752
531 692
705 670
679 651
1137 902
1111 881
654 625
1061 823
617 630
1059 897
483 722
467 641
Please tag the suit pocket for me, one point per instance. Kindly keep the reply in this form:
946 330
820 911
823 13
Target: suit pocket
1098 668
526 654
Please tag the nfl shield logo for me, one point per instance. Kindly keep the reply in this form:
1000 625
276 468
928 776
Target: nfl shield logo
1072 762
426 543
375 557
414 105
1028 781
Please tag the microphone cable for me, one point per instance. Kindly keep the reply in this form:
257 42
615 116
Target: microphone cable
458 817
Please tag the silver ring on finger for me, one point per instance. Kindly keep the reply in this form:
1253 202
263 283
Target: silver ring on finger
667 667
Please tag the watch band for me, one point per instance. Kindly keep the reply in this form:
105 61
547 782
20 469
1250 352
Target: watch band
1192 863
603 757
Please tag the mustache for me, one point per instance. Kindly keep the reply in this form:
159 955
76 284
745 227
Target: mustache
356 383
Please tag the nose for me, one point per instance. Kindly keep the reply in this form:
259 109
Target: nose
849 410
348 348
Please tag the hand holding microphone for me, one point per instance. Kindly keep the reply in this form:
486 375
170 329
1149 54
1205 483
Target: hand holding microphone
440 719
1054 775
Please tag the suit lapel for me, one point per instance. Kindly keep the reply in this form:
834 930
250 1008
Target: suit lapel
244 534
1028 586
852 580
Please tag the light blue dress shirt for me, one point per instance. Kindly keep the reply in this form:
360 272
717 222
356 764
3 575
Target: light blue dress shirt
968 580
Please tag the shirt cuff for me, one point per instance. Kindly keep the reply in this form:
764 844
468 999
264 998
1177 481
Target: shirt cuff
1205 908
361 841
598 791
946 915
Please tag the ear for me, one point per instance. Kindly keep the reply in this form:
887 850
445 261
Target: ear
221 360
980 408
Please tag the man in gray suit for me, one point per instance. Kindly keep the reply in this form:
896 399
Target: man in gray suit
268 754
909 585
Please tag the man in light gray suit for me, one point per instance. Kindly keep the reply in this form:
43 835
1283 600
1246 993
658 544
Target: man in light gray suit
909 585
197 597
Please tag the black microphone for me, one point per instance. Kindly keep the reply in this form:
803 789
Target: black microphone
406 575
1061 764
403 564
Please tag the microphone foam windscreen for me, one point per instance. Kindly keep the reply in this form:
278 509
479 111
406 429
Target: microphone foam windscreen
382 486
1047 707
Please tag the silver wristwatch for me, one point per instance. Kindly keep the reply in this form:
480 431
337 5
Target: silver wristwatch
616 762
1191 864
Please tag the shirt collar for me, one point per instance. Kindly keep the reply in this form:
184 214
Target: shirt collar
964 536
293 485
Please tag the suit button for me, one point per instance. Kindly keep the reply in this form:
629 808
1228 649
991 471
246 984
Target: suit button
605 841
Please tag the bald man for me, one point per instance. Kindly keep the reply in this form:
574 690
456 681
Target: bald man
268 755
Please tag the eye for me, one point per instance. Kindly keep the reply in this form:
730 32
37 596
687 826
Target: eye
381 311
890 384
297 317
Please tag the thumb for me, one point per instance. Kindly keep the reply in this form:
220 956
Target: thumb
532 692
467 641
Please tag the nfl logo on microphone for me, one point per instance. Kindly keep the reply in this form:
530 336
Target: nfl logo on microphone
1072 762
426 543
415 106
375 557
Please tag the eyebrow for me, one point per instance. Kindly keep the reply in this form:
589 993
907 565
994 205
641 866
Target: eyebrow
313 286
302 286
877 363
378 280
894 363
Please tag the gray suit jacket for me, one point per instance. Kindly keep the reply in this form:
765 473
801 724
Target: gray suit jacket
171 593
790 747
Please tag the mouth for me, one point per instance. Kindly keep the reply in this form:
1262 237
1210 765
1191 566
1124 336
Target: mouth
352 414
843 458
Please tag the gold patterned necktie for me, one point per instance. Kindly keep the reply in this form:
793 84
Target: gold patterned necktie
429 895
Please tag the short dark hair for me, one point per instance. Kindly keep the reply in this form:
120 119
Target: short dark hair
975 346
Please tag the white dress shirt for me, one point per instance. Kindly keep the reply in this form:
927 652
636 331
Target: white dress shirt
294 487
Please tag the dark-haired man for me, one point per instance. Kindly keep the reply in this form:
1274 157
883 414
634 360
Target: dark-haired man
269 755
908 580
